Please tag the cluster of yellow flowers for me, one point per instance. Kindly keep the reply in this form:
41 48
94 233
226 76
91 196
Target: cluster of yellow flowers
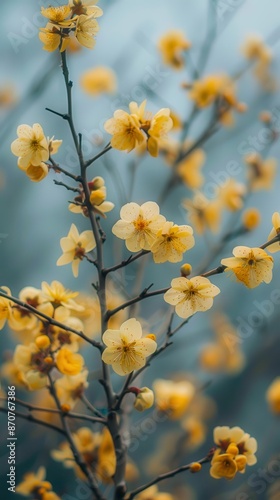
33 149
144 228
236 449
137 128
98 194
78 17
36 487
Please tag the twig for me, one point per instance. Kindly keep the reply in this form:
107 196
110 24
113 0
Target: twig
34 420
125 262
96 157
143 295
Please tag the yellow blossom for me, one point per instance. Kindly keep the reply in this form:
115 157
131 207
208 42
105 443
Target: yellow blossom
87 7
126 349
125 129
144 399
53 38
275 247
74 247
139 225
173 397
191 295
160 125
32 482
231 195
86 29
186 270
56 294
251 266
71 387
33 365
203 213
152 493
223 465
254 48
56 14
261 173
273 395
251 218
171 242
98 201
99 80
195 431
5 307
31 145
224 436
172 45
189 169
68 362
205 91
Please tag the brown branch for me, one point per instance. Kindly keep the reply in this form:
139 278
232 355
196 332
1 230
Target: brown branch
96 157
34 420
143 295
125 262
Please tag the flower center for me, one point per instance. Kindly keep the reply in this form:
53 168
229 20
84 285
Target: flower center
140 224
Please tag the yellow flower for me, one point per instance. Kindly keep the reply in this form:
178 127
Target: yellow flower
126 349
139 225
5 307
173 397
251 266
86 29
224 436
33 364
223 465
70 388
31 145
171 242
251 218
160 125
261 173
275 247
33 482
254 48
231 195
203 213
74 247
153 493
172 45
68 362
195 431
53 38
87 7
99 80
56 14
125 129
205 91
22 319
273 395
189 169
57 295
98 201
191 295
144 399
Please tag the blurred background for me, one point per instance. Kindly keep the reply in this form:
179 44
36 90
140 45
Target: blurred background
35 216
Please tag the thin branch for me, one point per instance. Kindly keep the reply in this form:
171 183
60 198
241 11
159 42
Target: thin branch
167 475
125 262
96 157
90 407
143 295
34 420
69 188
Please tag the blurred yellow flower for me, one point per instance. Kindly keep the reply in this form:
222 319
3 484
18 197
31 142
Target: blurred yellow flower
68 362
99 80
126 349
160 125
172 45
33 364
86 29
203 213
261 173
171 242
74 247
87 7
273 395
56 14
22 319
36 173
31 145
152 493
275 247
98 201
251 218
254 48
191 295
205 91
189 169
58 295
71 387
139 225
195 431
251 266
125 129
231 195
144 399
33 482
5 307
53 38
173 397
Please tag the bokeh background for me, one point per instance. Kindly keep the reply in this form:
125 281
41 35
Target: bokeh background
35 216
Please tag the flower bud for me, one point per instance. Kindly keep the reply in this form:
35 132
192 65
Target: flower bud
232 449
42 342
151 336
265 117
97 196
251 218
195 467
96 183
186 270
144 399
